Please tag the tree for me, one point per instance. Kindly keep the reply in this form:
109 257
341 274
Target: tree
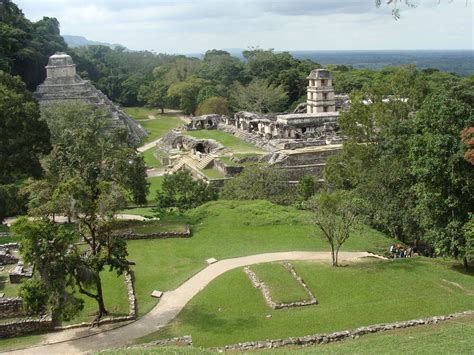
259 96
154 94
217 105
444 179
187 92
24 136
335 216
91 171
257 183
181 191
49 249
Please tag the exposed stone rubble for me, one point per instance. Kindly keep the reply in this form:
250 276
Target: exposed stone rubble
338 336
155 235
185 340
20 272
6 258
267 294
63 85
175 140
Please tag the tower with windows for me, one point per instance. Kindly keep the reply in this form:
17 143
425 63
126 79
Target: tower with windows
320 92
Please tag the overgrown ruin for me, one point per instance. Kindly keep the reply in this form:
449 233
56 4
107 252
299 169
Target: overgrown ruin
298 143
62 85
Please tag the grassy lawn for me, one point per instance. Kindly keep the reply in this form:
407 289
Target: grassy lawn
212 173
227 161
155 185
9 289
224 229
231 310
284 288
115 299
4 228
141 113
156 128
228 140
150 159
449 337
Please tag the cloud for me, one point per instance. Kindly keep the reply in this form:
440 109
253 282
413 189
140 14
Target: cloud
183 26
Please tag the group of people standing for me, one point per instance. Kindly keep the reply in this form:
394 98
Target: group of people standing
399 251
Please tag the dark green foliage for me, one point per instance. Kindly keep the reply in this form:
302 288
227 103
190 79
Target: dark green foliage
306 187
181 191
25 46
258 183
23 136
444 179
12 202
48 247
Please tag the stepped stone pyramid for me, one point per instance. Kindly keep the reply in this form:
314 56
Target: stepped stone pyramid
62 84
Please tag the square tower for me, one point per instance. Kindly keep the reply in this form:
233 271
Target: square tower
320 92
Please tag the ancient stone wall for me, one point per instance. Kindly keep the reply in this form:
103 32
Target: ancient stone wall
11 307
155 235
25 326
227 171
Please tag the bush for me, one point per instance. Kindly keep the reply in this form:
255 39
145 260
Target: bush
181 191
258 183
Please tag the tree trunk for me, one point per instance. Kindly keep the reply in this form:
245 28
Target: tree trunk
334 256
464 263
100 299
162 110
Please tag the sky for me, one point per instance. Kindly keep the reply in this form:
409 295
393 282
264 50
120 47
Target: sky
191 26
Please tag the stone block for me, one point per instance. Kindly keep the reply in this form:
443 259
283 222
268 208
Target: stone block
211 261
156 294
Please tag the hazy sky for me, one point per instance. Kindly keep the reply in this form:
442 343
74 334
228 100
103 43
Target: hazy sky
186 26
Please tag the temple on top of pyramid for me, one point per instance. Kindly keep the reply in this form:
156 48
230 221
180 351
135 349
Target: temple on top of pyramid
62 84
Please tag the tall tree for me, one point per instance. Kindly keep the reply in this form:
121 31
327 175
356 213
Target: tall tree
259 96
335 215
444 179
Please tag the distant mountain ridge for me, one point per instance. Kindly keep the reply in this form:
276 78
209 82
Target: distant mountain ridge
81 41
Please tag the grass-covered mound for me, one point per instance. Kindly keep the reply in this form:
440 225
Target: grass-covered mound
149 227
231 310
284 288
224 229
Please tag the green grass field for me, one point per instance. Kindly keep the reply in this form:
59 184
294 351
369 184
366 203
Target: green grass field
450 337
231 310
228 140
156 128
155 185
150 159
224 229
284 288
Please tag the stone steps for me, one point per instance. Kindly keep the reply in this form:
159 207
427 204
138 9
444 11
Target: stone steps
204 163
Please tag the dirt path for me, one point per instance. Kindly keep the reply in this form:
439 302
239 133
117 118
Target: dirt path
63 219
83 340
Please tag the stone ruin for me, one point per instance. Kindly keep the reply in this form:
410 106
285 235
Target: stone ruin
204 122
62 85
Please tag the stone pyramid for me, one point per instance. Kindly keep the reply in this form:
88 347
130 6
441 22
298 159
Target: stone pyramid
62 84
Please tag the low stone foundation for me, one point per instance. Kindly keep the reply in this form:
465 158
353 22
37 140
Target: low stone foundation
11 307
337 336
266 291
157 235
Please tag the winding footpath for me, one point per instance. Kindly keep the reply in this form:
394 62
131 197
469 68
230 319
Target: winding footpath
76 341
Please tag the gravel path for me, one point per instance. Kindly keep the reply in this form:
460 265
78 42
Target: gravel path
84 340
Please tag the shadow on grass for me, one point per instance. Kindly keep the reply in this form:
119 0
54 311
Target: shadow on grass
213 323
